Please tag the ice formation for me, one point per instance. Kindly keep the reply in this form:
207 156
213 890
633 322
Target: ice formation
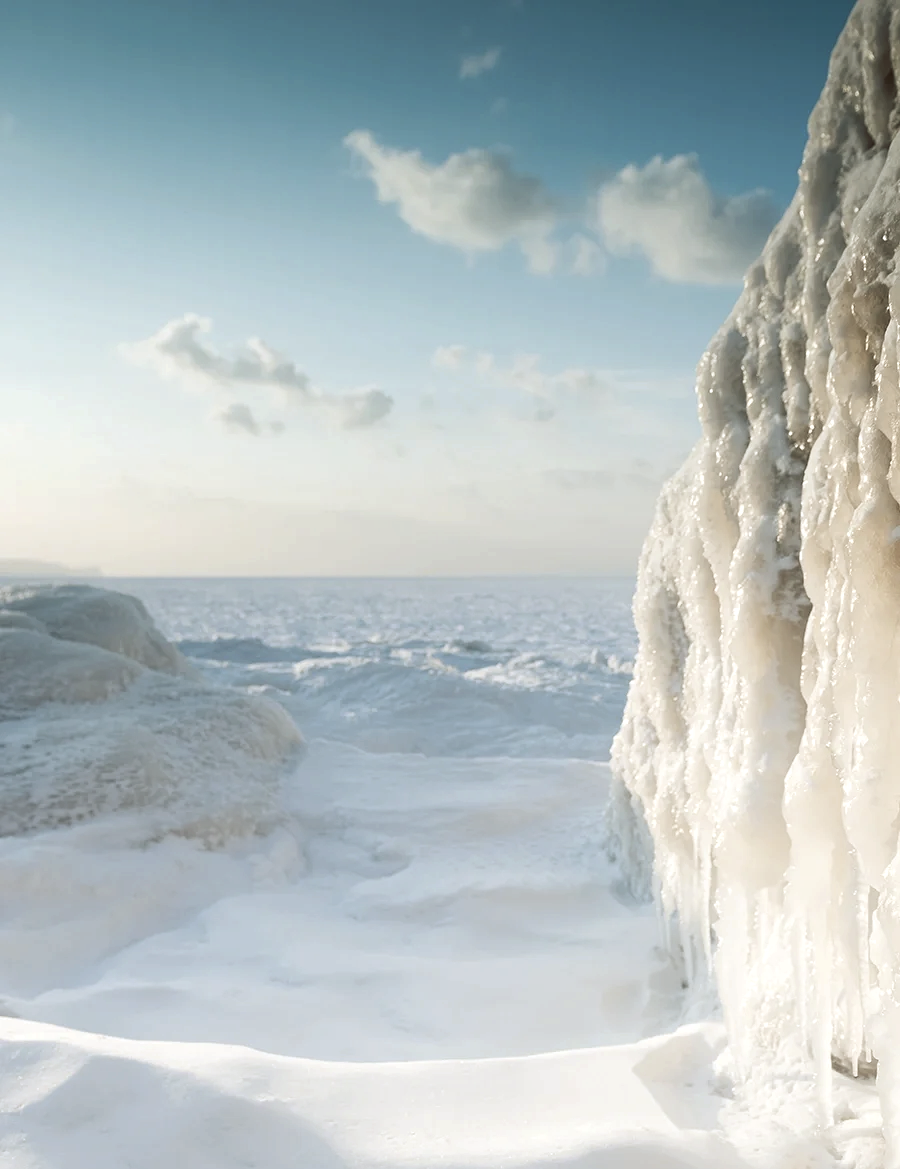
99 713
762 734
112 621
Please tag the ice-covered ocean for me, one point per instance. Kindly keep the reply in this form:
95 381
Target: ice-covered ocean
428 961
491 668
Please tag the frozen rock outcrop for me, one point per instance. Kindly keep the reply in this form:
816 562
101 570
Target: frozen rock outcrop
99 713
761 741
113 621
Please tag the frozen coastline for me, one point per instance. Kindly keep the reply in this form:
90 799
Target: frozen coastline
414 957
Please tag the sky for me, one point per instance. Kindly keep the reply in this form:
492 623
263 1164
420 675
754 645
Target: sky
375 287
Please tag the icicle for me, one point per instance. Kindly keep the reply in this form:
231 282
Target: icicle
822 1030
864 928
800 972
705 871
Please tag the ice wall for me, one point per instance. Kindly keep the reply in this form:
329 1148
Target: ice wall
761 740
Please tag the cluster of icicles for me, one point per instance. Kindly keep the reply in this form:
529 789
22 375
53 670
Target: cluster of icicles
761 741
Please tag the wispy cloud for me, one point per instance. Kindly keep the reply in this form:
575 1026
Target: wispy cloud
178 351
474 201
667 211
523 374
588 257
355 410
239 416
449 356
477 63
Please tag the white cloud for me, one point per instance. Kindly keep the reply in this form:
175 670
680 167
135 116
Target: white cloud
353 411
473 201
690 235
523 374
587 255
449 356
239 416
478 63
666 210
178 350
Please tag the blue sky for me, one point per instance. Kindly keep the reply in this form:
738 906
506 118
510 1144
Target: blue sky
480 299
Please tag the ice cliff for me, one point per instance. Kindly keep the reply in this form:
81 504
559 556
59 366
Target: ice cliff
100 714
761 740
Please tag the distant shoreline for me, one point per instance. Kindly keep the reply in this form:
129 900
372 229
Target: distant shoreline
35 570
45 569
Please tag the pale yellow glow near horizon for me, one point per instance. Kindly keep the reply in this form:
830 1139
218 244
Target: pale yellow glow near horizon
135 531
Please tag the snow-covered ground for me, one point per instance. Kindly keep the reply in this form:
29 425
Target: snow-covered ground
427 960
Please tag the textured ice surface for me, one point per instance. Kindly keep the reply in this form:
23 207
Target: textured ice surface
99 713
762 734
93 616
436 667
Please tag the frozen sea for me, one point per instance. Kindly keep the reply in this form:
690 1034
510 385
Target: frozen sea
430 961
454 668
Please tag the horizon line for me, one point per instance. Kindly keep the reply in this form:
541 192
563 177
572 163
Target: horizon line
60 576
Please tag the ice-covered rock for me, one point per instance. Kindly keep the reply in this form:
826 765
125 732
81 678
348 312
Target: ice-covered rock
113 621
99 713
36 668
12 619
762 735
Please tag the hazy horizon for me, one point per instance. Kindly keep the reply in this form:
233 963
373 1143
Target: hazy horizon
43 571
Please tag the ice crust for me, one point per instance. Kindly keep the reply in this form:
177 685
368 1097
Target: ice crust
761 738
100 714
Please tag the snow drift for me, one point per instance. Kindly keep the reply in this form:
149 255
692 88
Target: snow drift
99 713
762 733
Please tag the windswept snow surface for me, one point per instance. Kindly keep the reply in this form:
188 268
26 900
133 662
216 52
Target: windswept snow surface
761 741
426 959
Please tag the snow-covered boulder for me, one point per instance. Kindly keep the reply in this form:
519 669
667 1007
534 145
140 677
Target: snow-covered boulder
113 621
99 713
12 619
36 668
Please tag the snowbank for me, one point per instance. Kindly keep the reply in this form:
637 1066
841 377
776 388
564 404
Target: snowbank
76 1099
761 739
99 714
